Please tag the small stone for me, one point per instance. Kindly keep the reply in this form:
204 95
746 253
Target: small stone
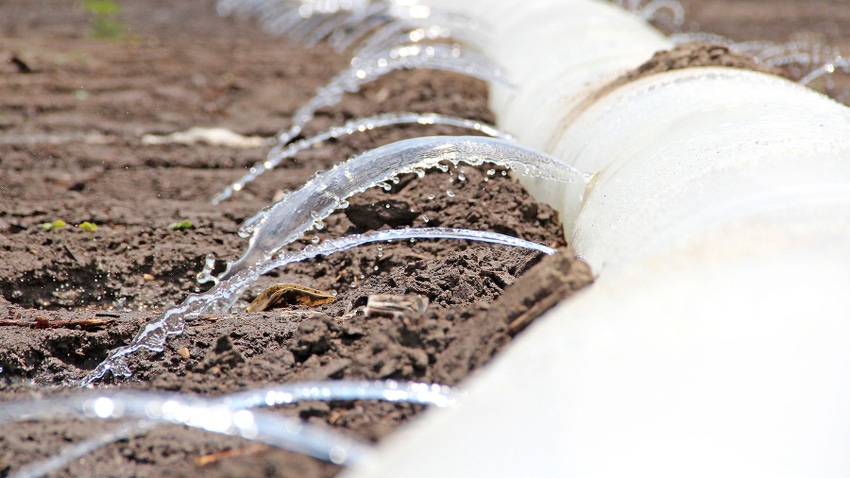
184 352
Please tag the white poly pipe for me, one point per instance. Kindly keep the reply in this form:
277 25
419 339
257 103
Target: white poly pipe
716 340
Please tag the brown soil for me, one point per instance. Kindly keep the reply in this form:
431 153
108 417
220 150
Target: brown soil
73 109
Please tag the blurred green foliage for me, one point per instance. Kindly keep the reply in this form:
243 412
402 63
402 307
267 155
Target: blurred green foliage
105 23
52 226
179 226
88 226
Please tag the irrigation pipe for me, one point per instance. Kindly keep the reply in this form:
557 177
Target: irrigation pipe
716 340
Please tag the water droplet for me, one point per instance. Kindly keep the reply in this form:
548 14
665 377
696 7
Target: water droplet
425 219
246 231
206 273
450 193
431 197
315 240
317 221
491 172
504 173
376 268
461 177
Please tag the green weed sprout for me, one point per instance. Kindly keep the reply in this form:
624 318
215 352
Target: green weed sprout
50 226
88 226
179 226
105 23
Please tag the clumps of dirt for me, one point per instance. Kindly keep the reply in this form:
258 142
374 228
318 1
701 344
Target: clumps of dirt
219 354
693 55
133 265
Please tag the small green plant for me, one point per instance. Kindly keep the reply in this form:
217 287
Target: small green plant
179 226
88 226
102 7
105 23
50 226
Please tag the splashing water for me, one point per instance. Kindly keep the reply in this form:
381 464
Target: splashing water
281 152
289 219
408 56
69 454
344 23
226 292
400 33
814 59
669 12
228 414
282 17
342 26
432 24
810 59
310 35
316 27
87 403
260 426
